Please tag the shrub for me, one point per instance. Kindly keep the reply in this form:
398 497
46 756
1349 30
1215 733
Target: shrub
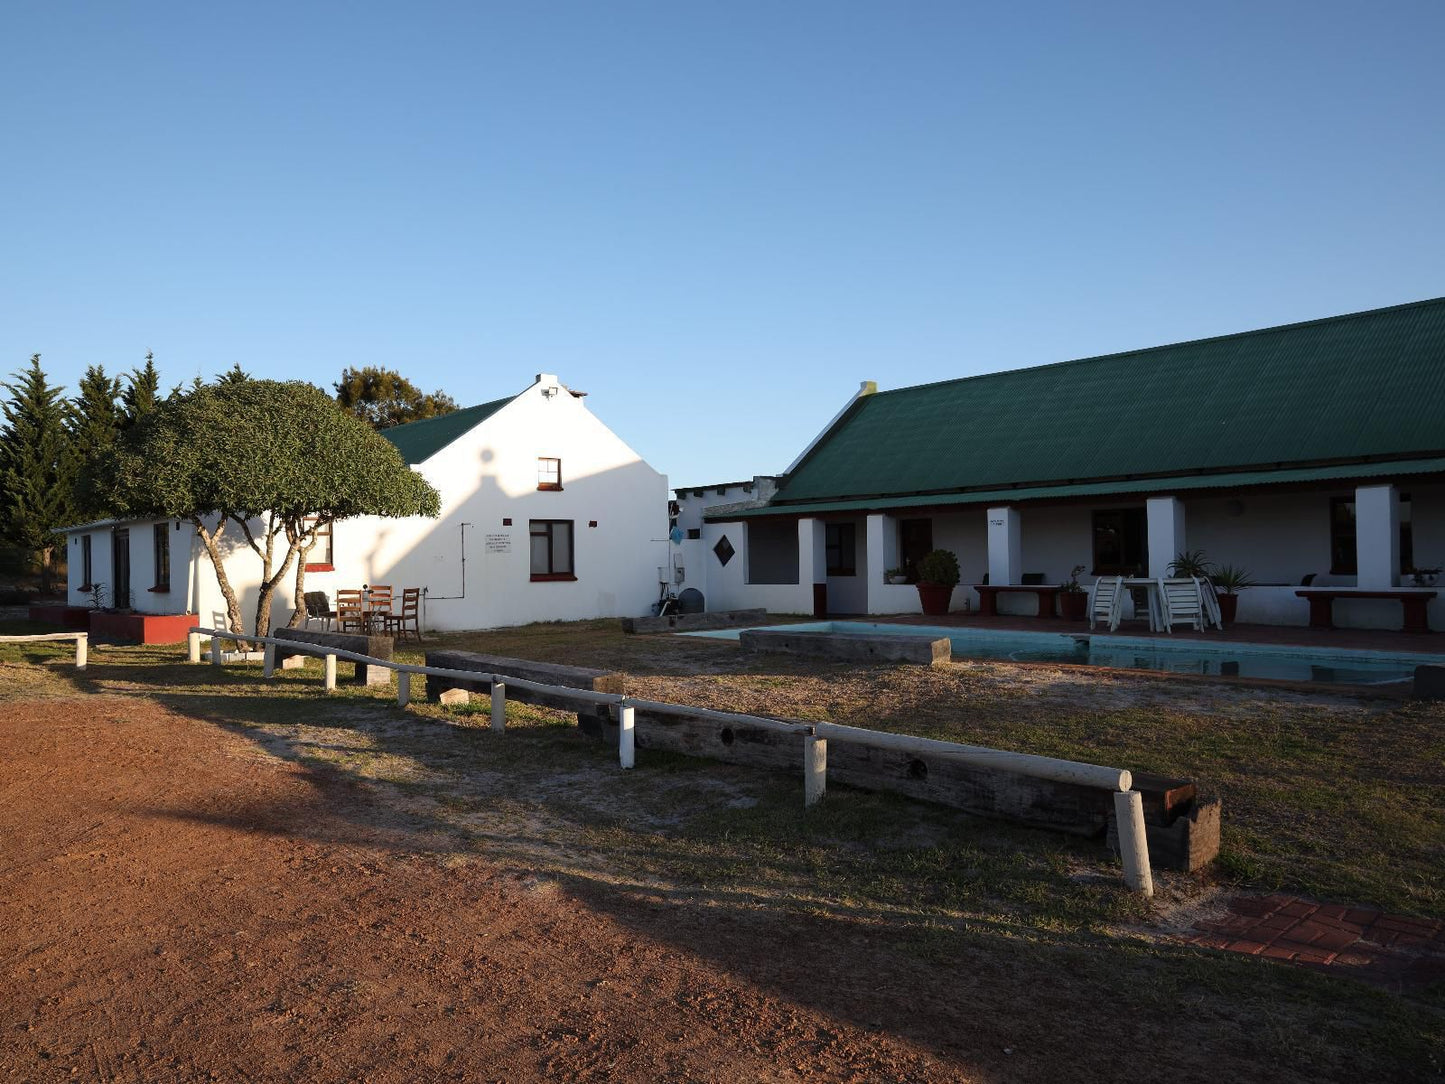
940 567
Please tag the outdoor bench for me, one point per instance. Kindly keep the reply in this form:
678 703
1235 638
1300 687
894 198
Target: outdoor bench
319 642
1322 603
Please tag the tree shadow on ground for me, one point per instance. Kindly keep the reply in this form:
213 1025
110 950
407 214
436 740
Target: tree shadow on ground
966 937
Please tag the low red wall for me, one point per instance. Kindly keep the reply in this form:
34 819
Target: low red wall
142 628
69 617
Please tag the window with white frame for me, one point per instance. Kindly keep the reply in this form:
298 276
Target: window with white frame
549 473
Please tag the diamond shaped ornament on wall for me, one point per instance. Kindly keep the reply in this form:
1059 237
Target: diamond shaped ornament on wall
724 550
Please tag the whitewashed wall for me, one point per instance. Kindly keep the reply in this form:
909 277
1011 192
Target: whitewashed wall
485 477
490 475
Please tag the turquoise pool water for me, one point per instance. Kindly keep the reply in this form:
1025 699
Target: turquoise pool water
1277 662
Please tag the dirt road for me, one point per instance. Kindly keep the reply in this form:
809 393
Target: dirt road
177 907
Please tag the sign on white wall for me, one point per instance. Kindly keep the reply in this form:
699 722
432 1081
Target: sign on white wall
499 543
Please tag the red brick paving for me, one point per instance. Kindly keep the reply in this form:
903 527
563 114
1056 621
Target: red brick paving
1397 951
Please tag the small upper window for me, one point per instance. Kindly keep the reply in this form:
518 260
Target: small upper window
549 473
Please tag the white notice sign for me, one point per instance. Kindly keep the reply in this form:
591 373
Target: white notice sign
499 543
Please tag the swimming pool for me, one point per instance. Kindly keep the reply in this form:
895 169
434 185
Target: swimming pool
1277 662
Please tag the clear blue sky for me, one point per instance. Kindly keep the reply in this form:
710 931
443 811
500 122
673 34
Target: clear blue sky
716 218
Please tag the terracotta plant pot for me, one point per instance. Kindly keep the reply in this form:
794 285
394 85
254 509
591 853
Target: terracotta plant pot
1228 606
1073 605
935 598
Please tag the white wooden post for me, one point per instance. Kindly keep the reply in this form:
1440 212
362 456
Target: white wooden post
268 665
82 647
215 651
330 679
403 689
815 770
1133 843
499 706
193 646
625 750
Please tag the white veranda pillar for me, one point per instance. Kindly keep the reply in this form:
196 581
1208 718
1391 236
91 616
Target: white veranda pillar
1005 546
1166 532
1377 536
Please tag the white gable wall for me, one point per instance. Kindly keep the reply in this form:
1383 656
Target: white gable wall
489 475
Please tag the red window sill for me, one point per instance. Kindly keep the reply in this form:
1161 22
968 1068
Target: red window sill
159 590
550 486
551 577
320 568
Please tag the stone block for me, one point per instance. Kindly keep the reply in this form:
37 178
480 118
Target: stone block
451 698
544 673
1430 682
884 647
722 619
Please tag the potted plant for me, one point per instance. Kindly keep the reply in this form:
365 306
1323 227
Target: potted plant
1073 601
1190 563
1423 577
938 575
895 576
1230 580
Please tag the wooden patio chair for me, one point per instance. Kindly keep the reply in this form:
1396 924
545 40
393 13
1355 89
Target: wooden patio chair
318 608
350 613
407 622
1106 601
379 606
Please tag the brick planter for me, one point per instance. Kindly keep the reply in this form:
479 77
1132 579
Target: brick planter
69 617
142 628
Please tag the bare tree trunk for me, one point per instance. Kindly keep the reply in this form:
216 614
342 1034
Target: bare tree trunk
47 569
213 550
302 544
270 575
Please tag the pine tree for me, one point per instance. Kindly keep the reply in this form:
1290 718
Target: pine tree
95 421
234 375
37 466
142 392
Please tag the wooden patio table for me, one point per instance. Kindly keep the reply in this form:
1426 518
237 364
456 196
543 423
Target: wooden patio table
1414 602
988 596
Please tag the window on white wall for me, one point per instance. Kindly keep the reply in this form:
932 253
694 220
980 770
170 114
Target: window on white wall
320 557
161 551
840 541
87 582
552 549
549 473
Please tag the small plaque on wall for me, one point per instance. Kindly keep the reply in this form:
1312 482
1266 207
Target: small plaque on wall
499 543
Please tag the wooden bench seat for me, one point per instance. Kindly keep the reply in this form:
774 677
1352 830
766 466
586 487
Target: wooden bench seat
1322 604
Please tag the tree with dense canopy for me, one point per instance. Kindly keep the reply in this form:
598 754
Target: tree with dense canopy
383 397
36 466
277 461
142 392
94 422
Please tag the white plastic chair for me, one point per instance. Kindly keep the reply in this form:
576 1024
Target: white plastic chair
1183 603
1105 600
1210 602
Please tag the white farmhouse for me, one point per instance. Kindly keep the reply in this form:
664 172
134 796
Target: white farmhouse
546 514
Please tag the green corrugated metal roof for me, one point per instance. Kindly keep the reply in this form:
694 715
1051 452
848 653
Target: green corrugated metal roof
419 441
1222 480
1370 384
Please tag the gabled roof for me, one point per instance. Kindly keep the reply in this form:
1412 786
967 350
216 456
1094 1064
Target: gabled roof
419 441
1366 386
